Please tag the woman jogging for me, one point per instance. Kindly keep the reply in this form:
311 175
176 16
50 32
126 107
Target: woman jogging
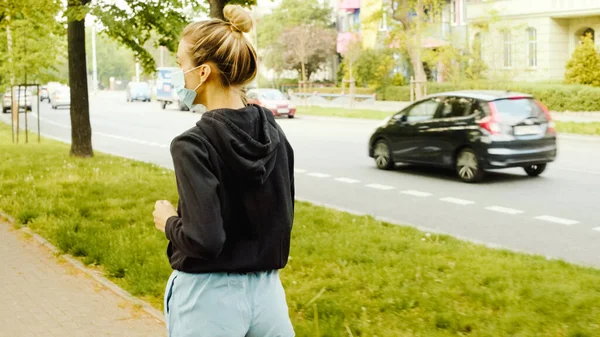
231 231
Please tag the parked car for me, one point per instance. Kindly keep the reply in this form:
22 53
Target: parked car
44 94
469 131
274 100
138 91
24 98
60 97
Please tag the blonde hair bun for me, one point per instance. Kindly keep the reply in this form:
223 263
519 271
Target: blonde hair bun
239 18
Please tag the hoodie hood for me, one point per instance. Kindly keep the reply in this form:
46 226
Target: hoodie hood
247 140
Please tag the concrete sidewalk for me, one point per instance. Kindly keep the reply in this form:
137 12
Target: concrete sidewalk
41 295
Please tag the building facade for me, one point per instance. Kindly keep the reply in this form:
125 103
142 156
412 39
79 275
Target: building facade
530 40
369 21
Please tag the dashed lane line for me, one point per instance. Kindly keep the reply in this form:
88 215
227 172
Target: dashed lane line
457 201
504 210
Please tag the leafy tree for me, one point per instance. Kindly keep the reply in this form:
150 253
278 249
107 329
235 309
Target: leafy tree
476 68
33 42
374 68
584 65
306 43
296 19
412 19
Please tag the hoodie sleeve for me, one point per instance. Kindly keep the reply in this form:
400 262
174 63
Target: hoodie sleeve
198 231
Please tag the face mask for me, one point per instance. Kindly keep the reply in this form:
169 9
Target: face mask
187 96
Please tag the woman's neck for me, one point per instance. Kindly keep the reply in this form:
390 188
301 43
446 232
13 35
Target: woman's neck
220 98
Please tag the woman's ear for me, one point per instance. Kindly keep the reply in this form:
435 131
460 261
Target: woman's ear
204 72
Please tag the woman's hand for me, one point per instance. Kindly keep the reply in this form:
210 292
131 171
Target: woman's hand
163 210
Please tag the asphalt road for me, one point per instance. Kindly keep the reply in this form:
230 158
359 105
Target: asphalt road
554 215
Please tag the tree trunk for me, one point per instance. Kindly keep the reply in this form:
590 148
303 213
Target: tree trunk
216 8
415 52
415 60
303 67
81 130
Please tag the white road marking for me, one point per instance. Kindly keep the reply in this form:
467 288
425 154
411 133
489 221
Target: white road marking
557 220
347 180
597 229
319 175
381 187
132 140
416 193
505 210
299 171
457 201
55 124
127 139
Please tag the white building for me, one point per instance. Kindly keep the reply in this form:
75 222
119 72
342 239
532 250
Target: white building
530 40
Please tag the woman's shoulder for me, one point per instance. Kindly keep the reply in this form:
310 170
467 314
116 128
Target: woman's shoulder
193 138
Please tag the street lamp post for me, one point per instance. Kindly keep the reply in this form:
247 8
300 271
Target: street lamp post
137 71
94 64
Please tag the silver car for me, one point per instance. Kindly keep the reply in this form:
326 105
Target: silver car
24 100
60 97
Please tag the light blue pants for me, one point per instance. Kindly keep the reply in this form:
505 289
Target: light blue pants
226 305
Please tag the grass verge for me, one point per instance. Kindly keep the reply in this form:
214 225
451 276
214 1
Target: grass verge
582 128
343 113
348 275
591 128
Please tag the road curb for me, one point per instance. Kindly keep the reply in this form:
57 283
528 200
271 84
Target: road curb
97 276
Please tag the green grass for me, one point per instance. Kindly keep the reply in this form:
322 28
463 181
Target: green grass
356 273
344 113
590 128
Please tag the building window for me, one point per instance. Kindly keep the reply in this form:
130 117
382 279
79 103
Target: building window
507 48
458 12
532 47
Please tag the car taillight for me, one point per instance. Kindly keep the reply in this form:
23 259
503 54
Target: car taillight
551 124
490 123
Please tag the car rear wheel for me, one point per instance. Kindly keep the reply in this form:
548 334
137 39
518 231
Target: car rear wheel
290 116
535 169
5 110
383 156
467 166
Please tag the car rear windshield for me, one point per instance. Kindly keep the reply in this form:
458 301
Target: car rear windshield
140 88
274 95
514 110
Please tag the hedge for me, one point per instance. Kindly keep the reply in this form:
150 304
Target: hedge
338 90
557 97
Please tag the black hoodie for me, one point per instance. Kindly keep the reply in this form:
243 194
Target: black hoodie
235 178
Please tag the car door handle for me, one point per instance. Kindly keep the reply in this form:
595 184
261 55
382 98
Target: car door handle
423 127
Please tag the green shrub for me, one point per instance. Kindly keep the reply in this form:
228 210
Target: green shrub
338 90
557 97
584 65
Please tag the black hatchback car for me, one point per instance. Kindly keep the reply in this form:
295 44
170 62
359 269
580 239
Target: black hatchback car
469 131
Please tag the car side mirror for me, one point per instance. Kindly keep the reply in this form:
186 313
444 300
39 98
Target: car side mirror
403 119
